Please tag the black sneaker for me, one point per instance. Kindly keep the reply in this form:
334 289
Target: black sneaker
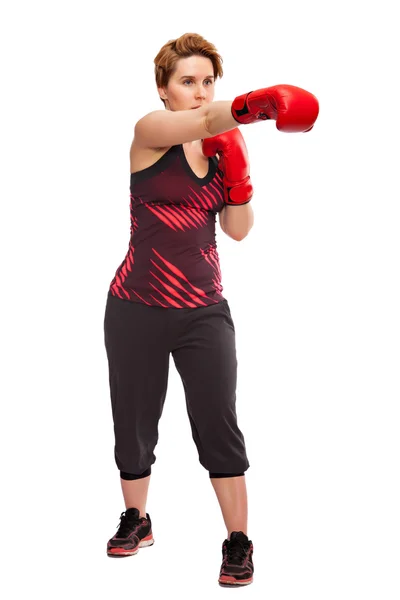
134 532
237 564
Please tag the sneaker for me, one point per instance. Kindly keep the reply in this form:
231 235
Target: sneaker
237 564
134 532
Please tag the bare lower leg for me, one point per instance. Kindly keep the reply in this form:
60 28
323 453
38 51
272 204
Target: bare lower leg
135 493
232 497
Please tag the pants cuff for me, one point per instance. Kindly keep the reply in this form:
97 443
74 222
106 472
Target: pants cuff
131 476
220 475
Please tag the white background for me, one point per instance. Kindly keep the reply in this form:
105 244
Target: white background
314 293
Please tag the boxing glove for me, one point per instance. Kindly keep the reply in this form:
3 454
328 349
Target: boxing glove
293 109
234 164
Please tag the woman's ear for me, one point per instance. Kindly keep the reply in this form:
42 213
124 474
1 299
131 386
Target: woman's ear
162 93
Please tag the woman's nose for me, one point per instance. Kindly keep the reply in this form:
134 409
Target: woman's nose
200 92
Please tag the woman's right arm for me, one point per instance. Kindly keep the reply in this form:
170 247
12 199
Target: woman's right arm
293 108
164 128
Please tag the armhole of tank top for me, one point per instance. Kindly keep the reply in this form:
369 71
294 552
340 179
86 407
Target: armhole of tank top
155 167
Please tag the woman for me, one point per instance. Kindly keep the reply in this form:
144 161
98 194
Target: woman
166 297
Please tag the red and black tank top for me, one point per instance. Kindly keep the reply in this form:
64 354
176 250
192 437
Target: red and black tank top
172 259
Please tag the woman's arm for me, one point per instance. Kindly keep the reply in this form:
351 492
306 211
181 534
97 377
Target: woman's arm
164 128
236 221
293 108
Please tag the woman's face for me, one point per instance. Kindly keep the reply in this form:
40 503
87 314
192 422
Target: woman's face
191 85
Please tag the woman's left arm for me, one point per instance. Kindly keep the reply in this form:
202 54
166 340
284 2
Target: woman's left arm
236 221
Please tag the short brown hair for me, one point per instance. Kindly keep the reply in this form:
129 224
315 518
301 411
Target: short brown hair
188 44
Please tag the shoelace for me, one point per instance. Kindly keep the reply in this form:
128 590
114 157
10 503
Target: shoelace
126 525
237 552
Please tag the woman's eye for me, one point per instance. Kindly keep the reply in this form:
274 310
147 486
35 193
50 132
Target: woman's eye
208 81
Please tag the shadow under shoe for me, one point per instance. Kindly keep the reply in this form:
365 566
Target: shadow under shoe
237 561
134 532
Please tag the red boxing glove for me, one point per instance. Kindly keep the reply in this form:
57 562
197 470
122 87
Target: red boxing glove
234 163
294 109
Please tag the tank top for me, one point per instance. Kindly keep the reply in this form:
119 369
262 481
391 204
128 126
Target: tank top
172 260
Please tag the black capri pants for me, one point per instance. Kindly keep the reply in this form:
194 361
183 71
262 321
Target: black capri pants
139 340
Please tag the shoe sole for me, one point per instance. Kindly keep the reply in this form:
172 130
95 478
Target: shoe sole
121 553
232 582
